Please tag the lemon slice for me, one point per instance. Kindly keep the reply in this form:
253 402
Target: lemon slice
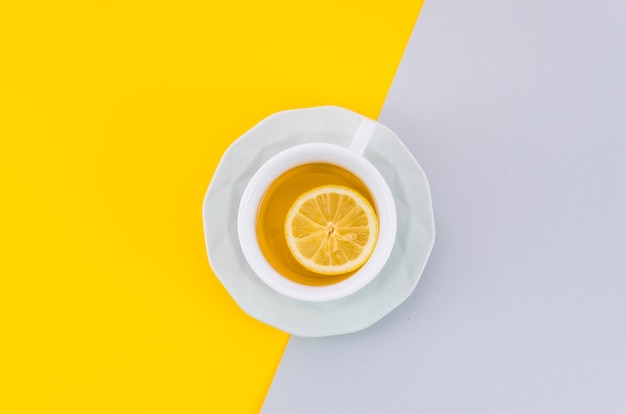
331 230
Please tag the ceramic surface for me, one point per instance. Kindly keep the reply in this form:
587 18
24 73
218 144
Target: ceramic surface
414 238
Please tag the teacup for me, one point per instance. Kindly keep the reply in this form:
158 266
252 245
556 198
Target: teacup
349 160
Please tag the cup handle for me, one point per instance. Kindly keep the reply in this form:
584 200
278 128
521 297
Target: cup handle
362 136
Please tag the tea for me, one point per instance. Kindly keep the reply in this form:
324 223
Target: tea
273 209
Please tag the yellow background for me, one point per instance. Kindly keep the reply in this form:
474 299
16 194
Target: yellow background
113 118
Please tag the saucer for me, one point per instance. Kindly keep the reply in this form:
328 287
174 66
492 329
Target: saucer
414 239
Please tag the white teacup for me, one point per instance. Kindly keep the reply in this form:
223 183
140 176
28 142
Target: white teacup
350 159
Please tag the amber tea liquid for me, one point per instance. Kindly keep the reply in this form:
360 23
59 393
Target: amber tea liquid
275 204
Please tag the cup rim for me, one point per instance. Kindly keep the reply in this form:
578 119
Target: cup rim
304 154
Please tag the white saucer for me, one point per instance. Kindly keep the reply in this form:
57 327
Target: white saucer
414 240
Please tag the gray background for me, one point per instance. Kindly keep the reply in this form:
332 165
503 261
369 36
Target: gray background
516 110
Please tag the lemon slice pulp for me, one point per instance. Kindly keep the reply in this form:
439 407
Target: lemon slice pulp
331 230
